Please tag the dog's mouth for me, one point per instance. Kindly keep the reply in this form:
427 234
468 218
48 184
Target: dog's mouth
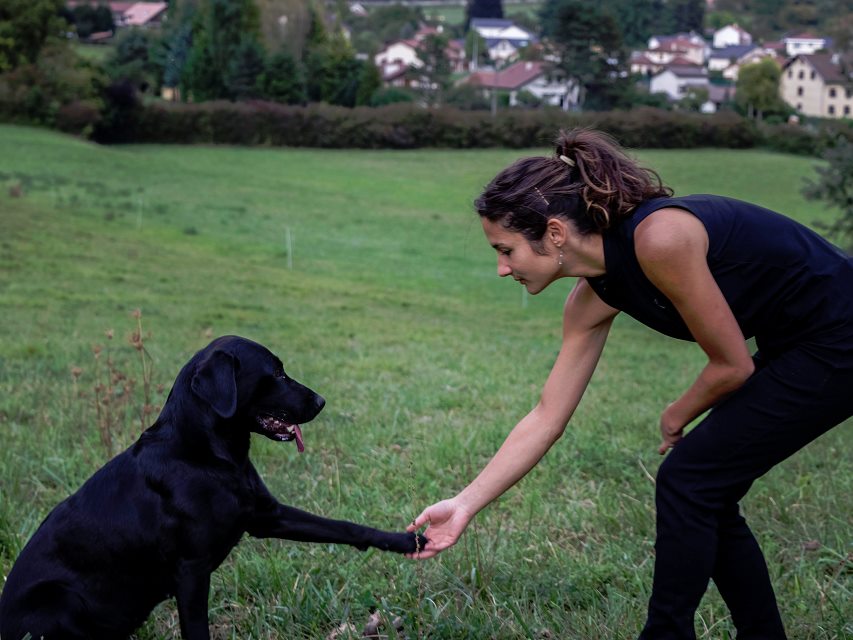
282 430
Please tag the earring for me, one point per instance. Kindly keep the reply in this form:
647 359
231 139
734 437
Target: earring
560 261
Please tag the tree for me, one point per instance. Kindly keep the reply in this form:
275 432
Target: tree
758 89
91 19
687 15
835 187
284 80
476 47
483 9
284 24
369 82
694 98
434 75
588 42
132 60
638 20
332 71
25 27
220 28
242 79
174 48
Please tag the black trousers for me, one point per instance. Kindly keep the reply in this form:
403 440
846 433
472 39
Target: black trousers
789 401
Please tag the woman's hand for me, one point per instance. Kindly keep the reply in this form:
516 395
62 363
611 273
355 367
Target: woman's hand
447 520
671 429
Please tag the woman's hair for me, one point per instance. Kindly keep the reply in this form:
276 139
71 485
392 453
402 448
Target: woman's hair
589 180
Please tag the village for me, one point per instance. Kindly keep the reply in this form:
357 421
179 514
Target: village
516 67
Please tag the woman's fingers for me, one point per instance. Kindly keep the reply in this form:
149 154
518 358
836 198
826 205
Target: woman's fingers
420 521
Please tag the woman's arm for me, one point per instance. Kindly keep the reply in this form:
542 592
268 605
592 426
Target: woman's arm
586 322
672 249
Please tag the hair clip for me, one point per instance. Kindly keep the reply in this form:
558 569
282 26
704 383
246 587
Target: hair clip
544 199
567 160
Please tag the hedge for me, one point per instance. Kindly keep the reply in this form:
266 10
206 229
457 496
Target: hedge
407 126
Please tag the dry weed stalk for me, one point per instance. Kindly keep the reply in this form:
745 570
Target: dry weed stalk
115 392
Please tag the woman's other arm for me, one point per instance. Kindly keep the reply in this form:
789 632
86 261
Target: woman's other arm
672 249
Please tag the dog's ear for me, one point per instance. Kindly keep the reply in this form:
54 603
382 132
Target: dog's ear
215 382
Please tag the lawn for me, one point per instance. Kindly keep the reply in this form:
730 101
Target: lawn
454 14
367 272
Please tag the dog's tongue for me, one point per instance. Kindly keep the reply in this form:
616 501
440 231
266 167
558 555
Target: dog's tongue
300 446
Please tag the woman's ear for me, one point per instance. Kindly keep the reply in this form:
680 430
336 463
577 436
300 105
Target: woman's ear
557 231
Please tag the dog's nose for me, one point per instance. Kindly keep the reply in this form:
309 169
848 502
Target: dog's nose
319 402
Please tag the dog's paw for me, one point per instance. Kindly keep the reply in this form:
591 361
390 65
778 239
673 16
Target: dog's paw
403 542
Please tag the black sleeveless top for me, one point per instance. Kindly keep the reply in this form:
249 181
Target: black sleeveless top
784 283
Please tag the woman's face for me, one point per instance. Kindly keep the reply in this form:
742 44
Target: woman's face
517 258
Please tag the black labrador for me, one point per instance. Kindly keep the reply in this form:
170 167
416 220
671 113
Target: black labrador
157 519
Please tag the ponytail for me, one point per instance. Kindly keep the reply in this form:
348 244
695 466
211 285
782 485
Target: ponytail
589 180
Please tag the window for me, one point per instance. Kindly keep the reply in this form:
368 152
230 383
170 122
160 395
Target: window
799 106
813 75
799 91
832 93
846 109
790 73
831 110
801 75
849 93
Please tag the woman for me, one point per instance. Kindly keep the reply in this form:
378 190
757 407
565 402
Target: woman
703 268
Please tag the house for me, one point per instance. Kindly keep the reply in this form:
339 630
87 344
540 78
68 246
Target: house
731 36
144 15
358 9
730 59
754 55
720 59
663 49
676 80
816 85
642 64
402 55
718 96
130 14
536 77
804 43
503 38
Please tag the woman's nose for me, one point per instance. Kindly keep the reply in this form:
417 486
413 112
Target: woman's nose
503 269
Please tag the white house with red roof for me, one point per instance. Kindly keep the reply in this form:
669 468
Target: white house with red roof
804 43
536 77
145 14
732 35
130 14
400 56
664 49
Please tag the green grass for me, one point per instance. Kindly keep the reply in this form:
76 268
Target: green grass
393 312
455 13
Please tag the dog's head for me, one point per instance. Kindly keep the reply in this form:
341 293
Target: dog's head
242 381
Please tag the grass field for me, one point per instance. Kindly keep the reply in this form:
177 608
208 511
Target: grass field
455 13
389 306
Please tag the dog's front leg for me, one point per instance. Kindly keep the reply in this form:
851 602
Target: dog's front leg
281 521
192 591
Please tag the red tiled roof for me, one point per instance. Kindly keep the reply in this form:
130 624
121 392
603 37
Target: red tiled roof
142 13
513 77
805 35
681 61
115 7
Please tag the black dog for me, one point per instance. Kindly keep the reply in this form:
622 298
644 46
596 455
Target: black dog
156 520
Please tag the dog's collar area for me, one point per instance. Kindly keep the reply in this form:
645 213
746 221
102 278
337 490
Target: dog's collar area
282 430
